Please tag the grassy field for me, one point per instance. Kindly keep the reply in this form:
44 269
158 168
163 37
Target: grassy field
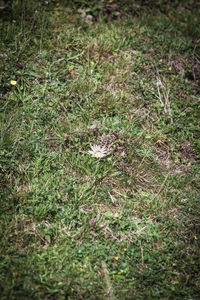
124 76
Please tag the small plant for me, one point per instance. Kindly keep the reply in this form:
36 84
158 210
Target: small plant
97 151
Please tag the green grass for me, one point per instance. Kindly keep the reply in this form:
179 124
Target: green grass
126 78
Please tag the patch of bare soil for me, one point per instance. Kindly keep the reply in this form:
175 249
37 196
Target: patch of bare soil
186 152
180 66
186 157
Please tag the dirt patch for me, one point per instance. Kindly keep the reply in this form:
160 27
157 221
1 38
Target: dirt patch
186 152
164 157
180 67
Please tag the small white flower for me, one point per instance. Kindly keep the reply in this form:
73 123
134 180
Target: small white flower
13 82
123 154
97 151
159 83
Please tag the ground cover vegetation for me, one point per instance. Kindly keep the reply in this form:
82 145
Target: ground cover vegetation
117 221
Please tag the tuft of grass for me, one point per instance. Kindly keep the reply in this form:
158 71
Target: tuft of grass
124 77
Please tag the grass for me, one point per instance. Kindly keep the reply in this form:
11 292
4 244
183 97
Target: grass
125 226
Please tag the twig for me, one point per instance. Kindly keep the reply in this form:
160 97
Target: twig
140 230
